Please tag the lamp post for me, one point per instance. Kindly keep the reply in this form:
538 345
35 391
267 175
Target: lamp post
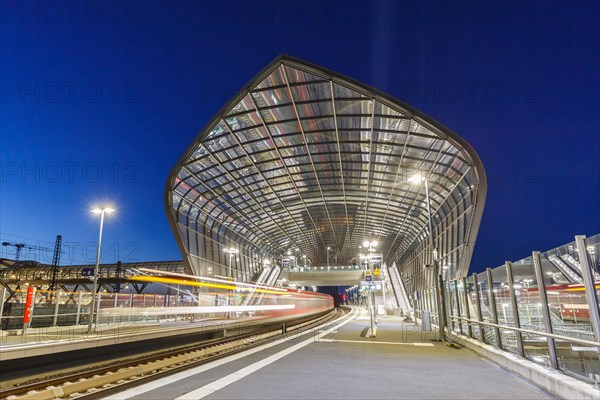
416 180
371 247
231 252
101 211
328 248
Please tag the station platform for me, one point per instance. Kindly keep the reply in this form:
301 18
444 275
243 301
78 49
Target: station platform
52 340
337 361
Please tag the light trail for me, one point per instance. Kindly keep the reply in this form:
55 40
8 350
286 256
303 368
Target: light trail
191 310
175 281
159 272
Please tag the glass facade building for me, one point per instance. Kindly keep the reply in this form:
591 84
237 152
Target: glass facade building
303 159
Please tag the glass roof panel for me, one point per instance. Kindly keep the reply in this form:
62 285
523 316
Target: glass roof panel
340 91
274 79
273 97
313 171
298 76
314 91
245 105
315 110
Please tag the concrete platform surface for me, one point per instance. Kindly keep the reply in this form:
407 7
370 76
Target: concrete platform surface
338 362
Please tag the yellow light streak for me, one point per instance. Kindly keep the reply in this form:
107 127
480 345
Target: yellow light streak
185 282
228 282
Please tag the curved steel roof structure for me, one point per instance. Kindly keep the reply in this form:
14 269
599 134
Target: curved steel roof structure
303 159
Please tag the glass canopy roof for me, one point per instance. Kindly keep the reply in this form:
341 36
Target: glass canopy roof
303 159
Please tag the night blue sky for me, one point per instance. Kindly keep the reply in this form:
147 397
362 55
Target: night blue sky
99 99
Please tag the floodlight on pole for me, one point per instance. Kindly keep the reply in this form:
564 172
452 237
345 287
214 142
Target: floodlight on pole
231 251
417 179
370 245
101 212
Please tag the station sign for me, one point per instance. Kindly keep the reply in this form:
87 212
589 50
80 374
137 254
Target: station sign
87 272
288 262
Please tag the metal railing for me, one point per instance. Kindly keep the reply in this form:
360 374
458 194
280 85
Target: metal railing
332 268
533 316
50 309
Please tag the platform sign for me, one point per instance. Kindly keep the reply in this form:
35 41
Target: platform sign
221 300
28 303
368 278
288 262
87 272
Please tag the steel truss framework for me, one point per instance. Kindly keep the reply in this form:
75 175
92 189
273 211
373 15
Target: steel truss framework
17 275
303 159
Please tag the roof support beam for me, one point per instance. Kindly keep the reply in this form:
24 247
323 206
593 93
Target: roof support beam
287 81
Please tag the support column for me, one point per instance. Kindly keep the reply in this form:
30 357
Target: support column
457 300
2 297
492 300
479 314
131 306
515 307
56 305
448 310
467 310
590 290
78 307
99 304
539 275
115 307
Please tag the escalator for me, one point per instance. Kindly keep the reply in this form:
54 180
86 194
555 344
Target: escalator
568 272
574 264
272 275
399 289
264 275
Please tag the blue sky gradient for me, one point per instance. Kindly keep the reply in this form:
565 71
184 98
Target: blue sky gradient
99 99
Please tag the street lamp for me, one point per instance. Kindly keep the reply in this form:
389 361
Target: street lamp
231 252
101 211
370 245
371 248
416 180
328 248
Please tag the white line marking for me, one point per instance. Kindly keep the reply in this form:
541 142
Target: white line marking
219 384
159 383
369 342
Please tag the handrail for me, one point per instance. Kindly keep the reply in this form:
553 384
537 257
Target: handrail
552 335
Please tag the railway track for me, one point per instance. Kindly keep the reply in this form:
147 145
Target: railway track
125 372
